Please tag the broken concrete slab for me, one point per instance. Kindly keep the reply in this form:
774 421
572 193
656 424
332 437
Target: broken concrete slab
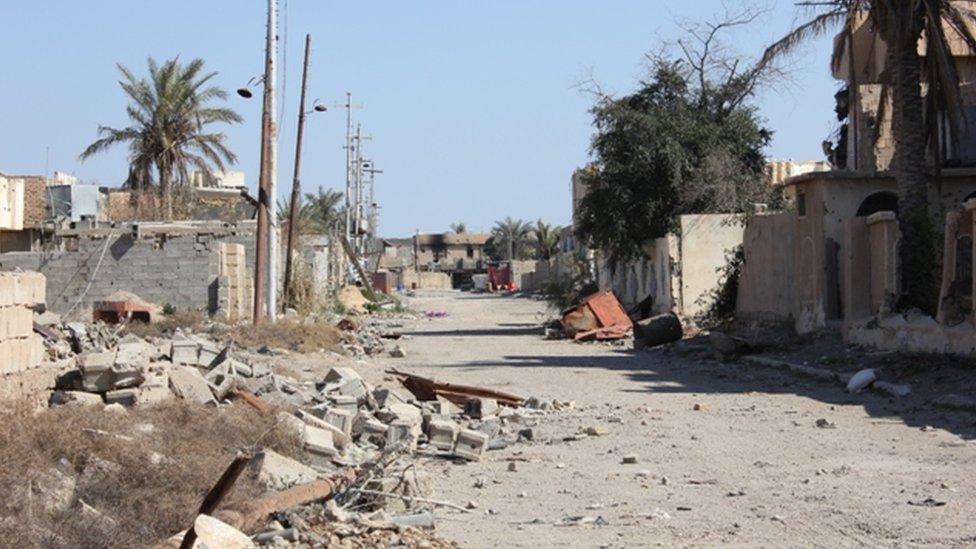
188 383
402 431
277 472
319 441
97 375
340 419
184 351
125 397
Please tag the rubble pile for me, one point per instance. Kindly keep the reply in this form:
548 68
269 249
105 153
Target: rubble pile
359 484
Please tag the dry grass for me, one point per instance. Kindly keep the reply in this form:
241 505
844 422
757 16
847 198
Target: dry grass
187 320
294 336
149 480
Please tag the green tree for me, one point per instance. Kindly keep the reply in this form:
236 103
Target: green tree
169 113
901 25
547 237
509 235
685 142
459 228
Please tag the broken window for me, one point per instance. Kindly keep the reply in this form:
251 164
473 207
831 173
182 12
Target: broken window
801 204
470 252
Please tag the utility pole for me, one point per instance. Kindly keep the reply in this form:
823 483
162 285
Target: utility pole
373 213
273 239
350 156
295 183
265 197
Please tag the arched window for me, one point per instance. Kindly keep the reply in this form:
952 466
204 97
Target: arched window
884 201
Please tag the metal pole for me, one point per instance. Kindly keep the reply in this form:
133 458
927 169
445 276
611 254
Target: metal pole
273 241
358 166
348 228
261 251
295 183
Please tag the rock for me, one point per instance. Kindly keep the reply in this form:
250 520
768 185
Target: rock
701 407
526 434
861 380
658 330
277 472
629 459
352 299
53 490
122 398
188 383
824 424
398 352
213 533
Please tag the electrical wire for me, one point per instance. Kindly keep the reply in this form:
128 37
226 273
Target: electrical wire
91 279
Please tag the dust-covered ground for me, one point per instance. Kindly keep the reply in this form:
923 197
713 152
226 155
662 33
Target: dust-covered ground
751 467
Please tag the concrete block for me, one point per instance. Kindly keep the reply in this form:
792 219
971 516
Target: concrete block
319 441
471 445
188 383
344 402
125 397
404 411
480 407
402 430
97 375
341 374
153 394
78 398
184 351
340 419
442 434
277 472
338 435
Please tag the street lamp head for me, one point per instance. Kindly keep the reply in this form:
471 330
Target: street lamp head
320 108
245 92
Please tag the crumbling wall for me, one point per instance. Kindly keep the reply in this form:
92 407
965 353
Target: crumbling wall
425 280
766 281
181 270
655 276
22 374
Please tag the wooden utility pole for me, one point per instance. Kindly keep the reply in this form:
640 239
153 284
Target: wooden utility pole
265 197
295 183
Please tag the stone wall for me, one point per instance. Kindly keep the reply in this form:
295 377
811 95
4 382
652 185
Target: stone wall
179 268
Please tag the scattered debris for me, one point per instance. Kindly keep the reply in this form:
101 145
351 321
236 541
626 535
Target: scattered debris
658 330
600 316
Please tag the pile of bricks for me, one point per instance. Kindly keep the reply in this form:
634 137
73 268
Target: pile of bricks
21 350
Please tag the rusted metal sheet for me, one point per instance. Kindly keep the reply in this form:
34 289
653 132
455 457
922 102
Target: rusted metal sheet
428 389
115 312
251 399
599 316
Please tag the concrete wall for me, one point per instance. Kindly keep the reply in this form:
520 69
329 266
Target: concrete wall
656 276
423 280
766 282
706 242
180 270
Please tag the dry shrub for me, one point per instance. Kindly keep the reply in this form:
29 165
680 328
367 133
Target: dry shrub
150 482
284 334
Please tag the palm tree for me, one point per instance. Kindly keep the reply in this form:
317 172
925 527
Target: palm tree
547 236
511 233
168 114
901 25
324 212
459 228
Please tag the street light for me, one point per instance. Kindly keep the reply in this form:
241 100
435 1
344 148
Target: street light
245 92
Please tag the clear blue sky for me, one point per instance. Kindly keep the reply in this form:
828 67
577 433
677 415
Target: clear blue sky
472 105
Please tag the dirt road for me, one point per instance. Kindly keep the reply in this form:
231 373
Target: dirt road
751 468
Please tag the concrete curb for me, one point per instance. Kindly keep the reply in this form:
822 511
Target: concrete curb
822 374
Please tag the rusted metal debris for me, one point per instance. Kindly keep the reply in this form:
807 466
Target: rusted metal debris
118 312
317 490
599 316
216 494
426 389
251 399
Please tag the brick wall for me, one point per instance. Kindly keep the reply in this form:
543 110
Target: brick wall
179 270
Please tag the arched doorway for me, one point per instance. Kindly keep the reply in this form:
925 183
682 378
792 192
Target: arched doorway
883 201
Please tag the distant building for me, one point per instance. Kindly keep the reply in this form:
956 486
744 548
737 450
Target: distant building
61 178
218 180
778 171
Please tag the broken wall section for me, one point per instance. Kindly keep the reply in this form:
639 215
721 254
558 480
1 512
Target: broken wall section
163 264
